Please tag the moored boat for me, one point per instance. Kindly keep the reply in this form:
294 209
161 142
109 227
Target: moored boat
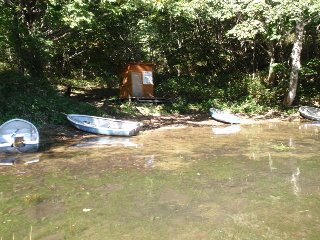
105 126
311 113
18 135
224 117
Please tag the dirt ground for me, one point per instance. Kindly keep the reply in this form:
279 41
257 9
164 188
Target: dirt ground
153 122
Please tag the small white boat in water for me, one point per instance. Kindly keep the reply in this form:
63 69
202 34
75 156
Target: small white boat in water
311 113
223 116
105 126
18 135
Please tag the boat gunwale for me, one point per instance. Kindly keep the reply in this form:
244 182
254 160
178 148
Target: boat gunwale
234 119
306 113
103 118
128 131
6 146
25 121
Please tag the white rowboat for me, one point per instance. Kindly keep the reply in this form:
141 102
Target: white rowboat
105 126
223 116
18 135
311 113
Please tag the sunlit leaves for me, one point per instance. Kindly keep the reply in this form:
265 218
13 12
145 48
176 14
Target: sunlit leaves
76 13
98 37
248 30
274 18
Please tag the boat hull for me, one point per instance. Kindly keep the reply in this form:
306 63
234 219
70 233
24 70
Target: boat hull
18 135
224 117
104 126
311 113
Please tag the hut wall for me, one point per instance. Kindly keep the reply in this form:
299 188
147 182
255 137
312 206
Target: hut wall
137 81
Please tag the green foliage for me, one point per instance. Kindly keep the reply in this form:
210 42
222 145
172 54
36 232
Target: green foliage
180 105
249 105
311 69
190 88
310 84
283 148
239 93
35 100
129 108
136 109
89 42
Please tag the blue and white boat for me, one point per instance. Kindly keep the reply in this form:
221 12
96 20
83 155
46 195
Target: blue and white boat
105 126
223 116
18 135
311 113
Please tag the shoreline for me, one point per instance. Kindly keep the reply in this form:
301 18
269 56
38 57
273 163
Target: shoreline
66 132
154 122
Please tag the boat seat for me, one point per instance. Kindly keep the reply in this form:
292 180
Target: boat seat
18 142
106 125
85 123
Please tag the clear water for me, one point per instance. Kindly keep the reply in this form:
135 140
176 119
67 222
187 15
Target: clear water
256 182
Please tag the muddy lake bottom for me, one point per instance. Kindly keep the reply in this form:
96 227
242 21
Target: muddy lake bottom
257 181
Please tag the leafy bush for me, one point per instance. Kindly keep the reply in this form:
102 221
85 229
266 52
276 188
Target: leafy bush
35 100
189 88
309 84
241 93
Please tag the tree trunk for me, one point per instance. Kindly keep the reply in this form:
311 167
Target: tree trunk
315 40
272 73
16 41
296 64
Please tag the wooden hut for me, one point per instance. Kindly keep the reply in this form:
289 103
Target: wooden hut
137 81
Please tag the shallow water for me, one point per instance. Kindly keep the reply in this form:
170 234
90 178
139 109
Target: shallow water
255 182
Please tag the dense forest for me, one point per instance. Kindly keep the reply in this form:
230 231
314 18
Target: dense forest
245 54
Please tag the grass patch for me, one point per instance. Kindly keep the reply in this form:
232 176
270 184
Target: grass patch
36 100
283 148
